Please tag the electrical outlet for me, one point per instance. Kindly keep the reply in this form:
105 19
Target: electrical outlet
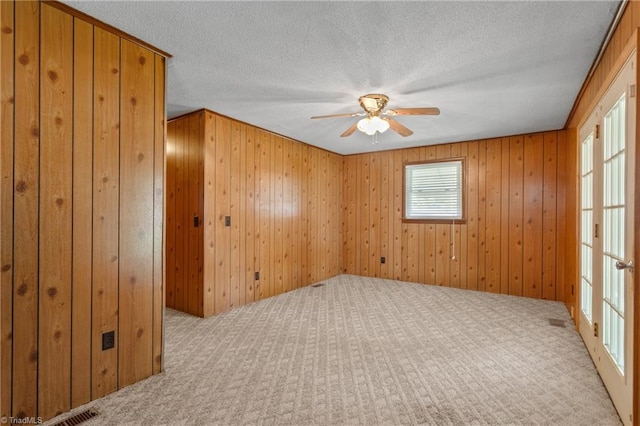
383 260
108 340
227 221
257 276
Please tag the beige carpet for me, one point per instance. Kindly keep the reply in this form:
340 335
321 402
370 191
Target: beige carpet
370 351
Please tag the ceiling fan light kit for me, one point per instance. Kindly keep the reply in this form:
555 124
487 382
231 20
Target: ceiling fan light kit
378 121
371 125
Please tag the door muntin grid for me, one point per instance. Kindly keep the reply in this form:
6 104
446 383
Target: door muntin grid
614 186
586 232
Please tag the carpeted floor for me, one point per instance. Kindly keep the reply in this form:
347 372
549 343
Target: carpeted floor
370 352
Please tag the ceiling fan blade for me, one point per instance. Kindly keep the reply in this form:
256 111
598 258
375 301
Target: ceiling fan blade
350 130
353 114
398 128
413 111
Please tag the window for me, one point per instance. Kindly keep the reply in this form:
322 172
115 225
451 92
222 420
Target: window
434 191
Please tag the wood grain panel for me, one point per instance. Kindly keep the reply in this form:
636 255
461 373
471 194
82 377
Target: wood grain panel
532 225
472 215
82 212
56 205
209 214
250 214
443 236
516 214
276 241
549 217
462 252
60 162
374 217
137 128
193 245
490 246
25 208
159 173
265 213
181 216
243 237
106 159
6 202
287 213
411 232
171 215
234 212
222 285
398 227
493 214
385 213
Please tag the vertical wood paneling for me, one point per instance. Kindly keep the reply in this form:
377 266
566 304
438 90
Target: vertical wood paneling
304 261
137 127
181 216
222 285
386 208
493 214
443 236
159 211
482 159
241 222
193 148
209 214
411 231
516 214
56 205
472 216
25 204
265 215
69 198
397 214
171 215
456 150
504 217
276 244
250 216
234 212
350 214
532 224
312 211
7 31
462 251
374 217
549 215
510 185
106 159
287 221
82 212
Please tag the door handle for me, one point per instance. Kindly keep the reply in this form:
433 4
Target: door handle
621 265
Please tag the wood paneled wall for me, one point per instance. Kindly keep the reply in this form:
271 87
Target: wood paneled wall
82 165
283 198
510 242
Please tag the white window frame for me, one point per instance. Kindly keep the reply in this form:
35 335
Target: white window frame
407 216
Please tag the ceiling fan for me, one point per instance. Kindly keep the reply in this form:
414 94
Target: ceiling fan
377 120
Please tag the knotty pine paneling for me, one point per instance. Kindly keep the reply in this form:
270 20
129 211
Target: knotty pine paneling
82 161
509 242
7 91
284 199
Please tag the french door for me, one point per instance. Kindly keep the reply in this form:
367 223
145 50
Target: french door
606 237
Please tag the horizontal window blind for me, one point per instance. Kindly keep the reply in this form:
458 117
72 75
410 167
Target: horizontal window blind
433 190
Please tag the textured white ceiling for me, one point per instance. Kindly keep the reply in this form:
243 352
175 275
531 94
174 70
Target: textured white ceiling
493 68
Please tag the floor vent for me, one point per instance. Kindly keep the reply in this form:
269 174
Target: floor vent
318 285
78 418
556 322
